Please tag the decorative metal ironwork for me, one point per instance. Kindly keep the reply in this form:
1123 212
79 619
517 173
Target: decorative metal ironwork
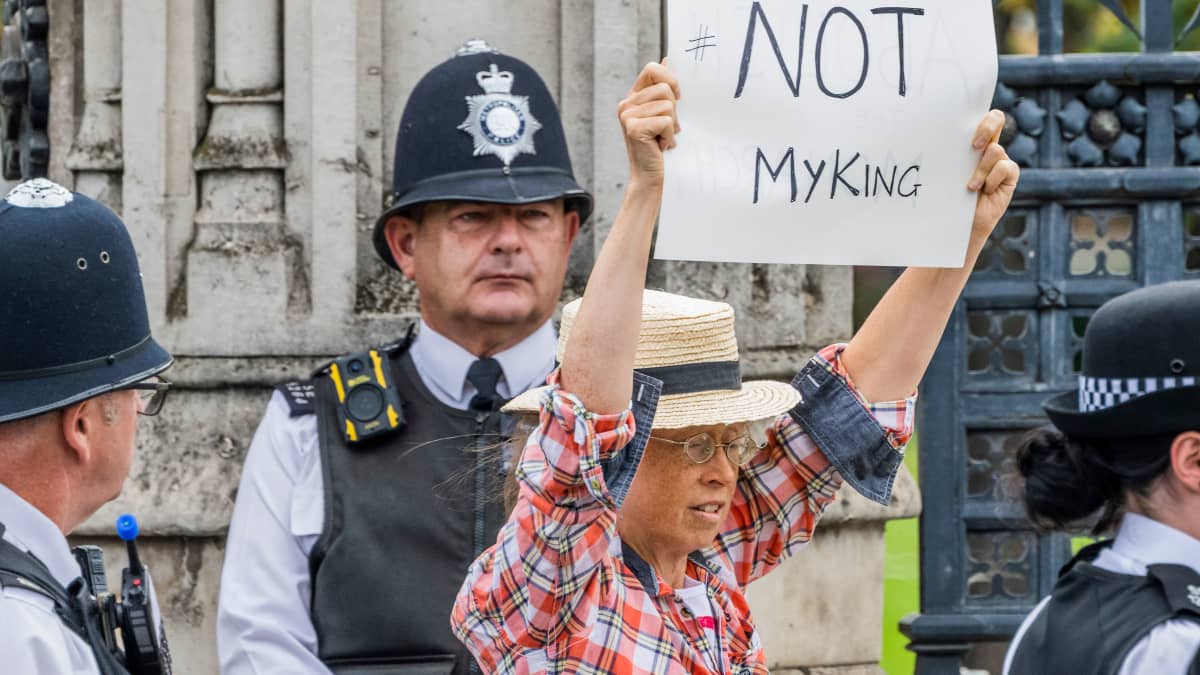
1187 126
1109 201
1104 126
1009 254
1001 344
1024 122
992 465
24 89
1076 325
1191 240
1000 567
1102 242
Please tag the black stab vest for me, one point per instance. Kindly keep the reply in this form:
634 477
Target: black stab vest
405 516
1096 616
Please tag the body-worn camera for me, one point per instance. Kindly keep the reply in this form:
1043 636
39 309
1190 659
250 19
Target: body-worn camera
368 404
130 626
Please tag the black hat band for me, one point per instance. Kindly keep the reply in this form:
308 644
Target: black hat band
693 378
1102 393
72 367
511 173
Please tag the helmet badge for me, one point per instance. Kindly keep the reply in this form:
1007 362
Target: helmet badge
499 122
39 193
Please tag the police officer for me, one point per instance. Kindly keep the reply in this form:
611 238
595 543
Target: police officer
77 366
369 489
1125 447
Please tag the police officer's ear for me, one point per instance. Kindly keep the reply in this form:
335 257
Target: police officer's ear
83 426
1185 460
399 232
573 223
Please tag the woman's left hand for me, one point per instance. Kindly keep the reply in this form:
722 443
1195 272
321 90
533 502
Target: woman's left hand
995 176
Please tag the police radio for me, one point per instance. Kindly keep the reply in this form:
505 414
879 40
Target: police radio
130 626
368 403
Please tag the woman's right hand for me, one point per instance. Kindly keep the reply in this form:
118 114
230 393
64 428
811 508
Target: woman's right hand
649 121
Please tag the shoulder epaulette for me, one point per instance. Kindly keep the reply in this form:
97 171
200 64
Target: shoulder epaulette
1181 586
301 397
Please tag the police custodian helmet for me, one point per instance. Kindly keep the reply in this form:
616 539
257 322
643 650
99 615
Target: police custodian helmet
73 320
1141 367
481 127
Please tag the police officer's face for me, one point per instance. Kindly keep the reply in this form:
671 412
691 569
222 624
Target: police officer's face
482 264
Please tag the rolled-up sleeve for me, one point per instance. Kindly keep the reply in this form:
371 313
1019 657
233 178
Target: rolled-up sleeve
863 440
832 433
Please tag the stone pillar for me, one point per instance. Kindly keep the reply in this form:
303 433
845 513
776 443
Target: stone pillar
163 77
241 263
320 130
96 156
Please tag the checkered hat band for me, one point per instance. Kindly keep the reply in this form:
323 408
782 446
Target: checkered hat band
1101 393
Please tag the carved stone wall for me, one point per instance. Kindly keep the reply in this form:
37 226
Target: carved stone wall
248 145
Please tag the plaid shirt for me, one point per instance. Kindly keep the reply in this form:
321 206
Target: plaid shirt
559 593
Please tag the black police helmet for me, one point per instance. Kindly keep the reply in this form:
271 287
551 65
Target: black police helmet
481 127
1141 367
73 321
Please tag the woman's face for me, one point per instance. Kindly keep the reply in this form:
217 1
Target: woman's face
674 505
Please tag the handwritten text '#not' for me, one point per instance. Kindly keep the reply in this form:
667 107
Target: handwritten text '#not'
758 20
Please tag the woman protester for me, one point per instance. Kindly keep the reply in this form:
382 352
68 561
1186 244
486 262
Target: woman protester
600 571
1125 450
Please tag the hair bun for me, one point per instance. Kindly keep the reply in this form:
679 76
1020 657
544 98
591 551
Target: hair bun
1064 481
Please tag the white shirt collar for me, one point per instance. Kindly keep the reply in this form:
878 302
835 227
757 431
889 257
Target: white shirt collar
1150 542
443 364
30 530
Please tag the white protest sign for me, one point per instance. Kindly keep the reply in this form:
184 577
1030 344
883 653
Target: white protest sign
826 132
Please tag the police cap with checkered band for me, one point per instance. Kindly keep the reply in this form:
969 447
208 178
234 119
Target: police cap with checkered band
73 320
1141 367
480 127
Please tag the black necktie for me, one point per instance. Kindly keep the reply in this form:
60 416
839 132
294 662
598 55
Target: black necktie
484 374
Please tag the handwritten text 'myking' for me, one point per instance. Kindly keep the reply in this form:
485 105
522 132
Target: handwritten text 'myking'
845 176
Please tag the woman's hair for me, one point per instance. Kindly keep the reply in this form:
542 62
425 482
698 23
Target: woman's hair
525 426
1068 479
498 455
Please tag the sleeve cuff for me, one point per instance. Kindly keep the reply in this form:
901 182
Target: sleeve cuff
607 462
896 417
601 434
621 438
845 429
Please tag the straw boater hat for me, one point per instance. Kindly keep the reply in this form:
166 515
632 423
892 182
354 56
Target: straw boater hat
690 345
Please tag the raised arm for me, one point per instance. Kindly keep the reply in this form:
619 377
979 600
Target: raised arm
889 354
598 364
550 559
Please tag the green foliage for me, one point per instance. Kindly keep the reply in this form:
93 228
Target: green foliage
1088 26
901 582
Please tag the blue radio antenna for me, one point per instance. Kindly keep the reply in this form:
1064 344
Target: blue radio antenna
127 530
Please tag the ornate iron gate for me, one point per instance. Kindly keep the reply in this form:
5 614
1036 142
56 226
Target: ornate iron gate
24 89
1109 200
